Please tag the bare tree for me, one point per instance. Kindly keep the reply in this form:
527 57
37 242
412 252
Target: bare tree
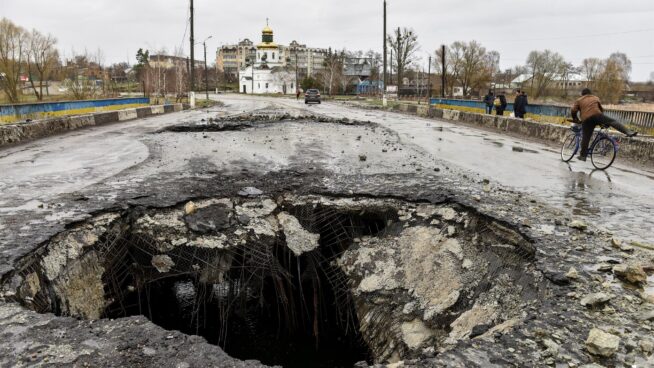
376 64
590 67
567 71
492 66
610 81
469 65
98 59
181 77
333 68
82 74
544 67
623 62
13 47
345 81
404 43
439 63
42 59
117 73
142 69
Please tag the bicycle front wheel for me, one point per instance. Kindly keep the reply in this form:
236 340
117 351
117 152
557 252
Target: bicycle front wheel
569 148
602 153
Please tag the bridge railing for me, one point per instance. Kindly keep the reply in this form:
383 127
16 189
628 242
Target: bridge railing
553 113
12 113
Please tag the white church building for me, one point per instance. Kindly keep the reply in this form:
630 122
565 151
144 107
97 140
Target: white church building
268 73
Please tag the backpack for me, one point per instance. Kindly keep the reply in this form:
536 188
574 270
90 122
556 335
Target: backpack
497 102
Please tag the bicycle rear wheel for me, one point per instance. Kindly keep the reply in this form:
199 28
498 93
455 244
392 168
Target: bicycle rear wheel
569 148
602 153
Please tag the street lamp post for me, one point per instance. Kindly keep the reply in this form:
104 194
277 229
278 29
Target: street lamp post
206 75
384 51
429 80
206 71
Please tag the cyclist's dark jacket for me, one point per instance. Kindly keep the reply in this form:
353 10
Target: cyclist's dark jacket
588 105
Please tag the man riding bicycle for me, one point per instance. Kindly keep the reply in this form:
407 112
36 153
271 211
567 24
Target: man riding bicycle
592 114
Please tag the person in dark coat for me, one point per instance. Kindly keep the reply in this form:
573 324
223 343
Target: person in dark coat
520 105
499 108
488 100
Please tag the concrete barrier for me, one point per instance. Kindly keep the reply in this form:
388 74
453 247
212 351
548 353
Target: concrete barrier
143 112
105 117
44 110
639 120
127 114
637 149
19 132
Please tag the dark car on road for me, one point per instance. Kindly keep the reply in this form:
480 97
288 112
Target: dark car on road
312 95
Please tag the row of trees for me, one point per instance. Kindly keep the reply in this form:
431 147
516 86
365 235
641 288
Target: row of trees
474 68
25 51
30 60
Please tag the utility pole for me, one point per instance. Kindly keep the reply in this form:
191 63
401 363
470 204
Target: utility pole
238 71
429 80
385 50
192 52
188 66
418 91
391 67
206 72
443 71
397 60
297 88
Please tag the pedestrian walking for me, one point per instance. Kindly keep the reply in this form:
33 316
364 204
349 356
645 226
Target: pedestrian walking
500 104
488 100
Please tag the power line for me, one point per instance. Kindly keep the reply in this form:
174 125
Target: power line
181 44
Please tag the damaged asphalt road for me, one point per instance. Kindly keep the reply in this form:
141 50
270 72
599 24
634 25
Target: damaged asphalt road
567 293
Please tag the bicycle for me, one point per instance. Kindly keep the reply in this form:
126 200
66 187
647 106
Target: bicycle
602 151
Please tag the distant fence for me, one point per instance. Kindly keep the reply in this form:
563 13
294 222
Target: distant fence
549 112
12 113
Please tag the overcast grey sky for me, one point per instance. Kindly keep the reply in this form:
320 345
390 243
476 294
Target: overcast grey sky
575 28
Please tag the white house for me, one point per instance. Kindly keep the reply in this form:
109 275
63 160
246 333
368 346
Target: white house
268 73
572 83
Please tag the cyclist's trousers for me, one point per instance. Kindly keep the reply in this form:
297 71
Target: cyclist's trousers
588 126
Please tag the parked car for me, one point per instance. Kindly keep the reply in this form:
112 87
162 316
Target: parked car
312 95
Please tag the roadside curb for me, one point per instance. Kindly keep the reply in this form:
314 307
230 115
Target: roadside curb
20 132
637 149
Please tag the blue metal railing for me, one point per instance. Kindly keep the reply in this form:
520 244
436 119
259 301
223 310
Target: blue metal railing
638 118
20 110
